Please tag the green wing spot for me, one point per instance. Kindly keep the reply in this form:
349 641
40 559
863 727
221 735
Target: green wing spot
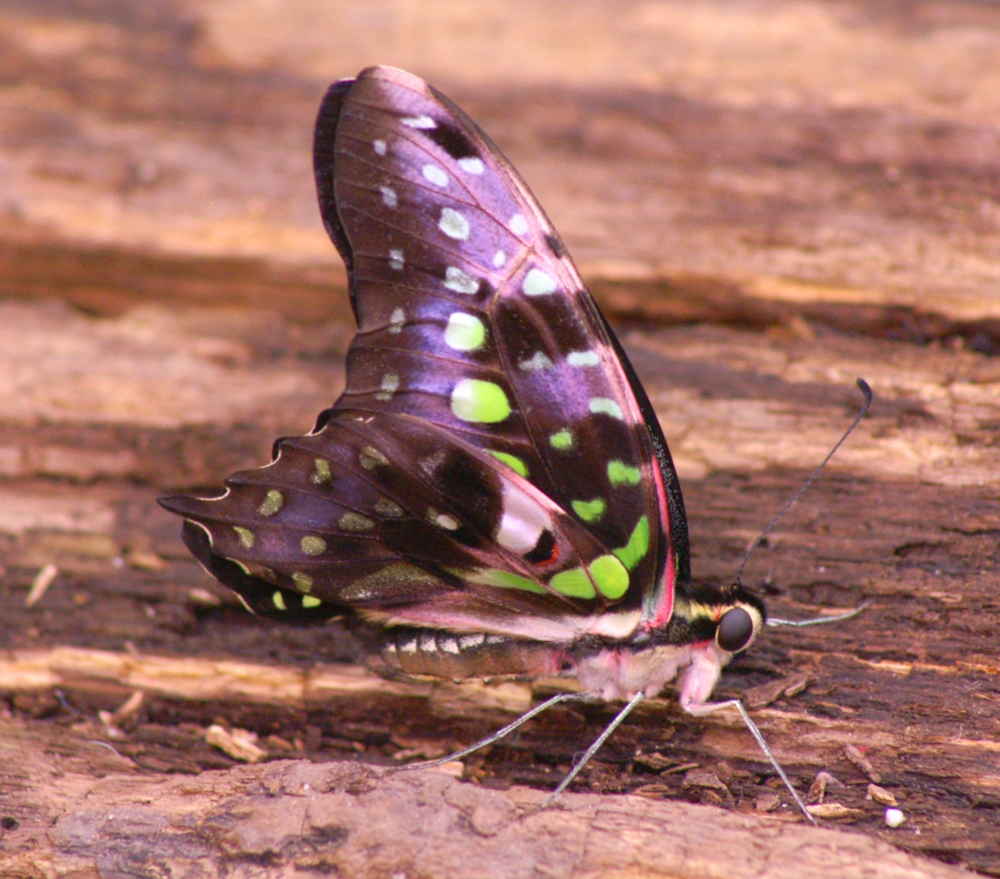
371 457
355 522
392 580
303 581
322 473
589 511
512 461
245 535
313 545
279 600
638 545
479 401
273 501
310 601
464 332
389 509
620 473
561 441
575 583
610 576
504 580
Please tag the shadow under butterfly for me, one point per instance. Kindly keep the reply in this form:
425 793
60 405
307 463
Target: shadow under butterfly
492 494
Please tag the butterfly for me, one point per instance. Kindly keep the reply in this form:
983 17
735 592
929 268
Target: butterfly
492 494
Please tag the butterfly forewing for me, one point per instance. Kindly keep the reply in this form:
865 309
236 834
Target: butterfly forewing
472 317
493 464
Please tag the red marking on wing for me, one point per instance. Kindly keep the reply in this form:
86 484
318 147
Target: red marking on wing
552 559
665 608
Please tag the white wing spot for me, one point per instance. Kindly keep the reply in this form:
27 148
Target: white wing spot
606 406
396 320
523 521
457 280
471 165
583 358
429 466
499 259
425 122
538 361
449 645
409 646
518 224
396 260
389 198
379 147
443 520
435 175
465 642
537 283
453 224
389 386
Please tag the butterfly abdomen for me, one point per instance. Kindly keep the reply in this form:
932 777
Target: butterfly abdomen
441 654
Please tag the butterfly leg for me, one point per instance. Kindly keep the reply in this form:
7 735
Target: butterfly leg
593 749
506 731
703 708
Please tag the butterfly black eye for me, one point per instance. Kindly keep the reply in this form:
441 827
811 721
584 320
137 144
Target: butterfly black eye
735 629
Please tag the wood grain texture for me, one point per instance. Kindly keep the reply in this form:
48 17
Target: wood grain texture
770 198
289 818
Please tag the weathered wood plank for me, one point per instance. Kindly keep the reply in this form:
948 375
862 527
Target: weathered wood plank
289 818
821 179
856 164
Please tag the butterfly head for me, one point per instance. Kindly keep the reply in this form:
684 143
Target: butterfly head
731 617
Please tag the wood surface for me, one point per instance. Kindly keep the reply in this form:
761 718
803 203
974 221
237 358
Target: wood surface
768 199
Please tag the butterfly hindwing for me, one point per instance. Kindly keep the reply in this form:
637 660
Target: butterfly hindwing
386 514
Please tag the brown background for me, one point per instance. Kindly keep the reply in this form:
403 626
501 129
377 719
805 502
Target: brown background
768 198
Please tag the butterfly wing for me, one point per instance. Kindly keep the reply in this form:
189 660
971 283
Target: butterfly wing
487 400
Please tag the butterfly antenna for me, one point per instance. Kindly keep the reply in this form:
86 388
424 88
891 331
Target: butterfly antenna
867 391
